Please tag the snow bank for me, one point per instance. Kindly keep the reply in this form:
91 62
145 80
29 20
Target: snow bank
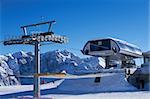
107 84
22 88
114 95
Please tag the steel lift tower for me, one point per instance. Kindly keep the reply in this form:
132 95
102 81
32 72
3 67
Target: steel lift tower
37 39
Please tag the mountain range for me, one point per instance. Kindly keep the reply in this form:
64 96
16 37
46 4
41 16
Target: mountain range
22 63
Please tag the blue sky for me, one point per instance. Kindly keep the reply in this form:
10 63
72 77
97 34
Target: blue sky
79 20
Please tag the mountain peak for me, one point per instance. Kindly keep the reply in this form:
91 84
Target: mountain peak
20 54
53 61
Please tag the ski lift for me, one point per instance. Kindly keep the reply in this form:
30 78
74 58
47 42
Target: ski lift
112 49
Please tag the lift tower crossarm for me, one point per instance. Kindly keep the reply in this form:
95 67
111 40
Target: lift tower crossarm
48 22
37 24
42 37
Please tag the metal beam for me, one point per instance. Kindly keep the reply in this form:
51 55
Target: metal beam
37 71
48 22
42 37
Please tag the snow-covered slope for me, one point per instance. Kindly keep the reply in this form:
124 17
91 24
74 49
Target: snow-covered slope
23 88
22 63
88 85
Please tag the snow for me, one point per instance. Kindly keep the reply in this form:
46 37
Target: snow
102 62
107 95
114 95
22 88
20 54
22 63
3 58
87 85
63 61
4 72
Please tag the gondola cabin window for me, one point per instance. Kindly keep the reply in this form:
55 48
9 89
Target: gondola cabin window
100 45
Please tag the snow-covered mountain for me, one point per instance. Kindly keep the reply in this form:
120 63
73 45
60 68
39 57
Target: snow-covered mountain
5 71
22 63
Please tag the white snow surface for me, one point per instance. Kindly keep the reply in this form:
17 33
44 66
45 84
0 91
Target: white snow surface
107 84
57 61
22 88
114 95
106 95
